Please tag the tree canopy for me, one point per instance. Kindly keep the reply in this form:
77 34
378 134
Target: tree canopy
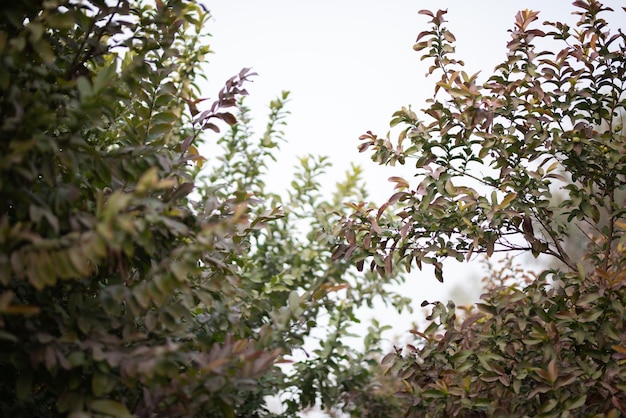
511 165
142 276
137 276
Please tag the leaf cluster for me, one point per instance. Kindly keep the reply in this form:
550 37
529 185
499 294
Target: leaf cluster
302 298
138 277
550 348
512 165
489 158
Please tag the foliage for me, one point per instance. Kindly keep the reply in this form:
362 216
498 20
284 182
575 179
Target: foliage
132 284
543 119
489 157
101 252
544 349
293 279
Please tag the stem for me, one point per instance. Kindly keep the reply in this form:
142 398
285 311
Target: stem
560 252
71 70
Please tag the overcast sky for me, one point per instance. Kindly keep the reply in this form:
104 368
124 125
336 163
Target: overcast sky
349 64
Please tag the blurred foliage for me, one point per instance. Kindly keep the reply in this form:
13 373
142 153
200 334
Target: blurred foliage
139 277
488 159
299 293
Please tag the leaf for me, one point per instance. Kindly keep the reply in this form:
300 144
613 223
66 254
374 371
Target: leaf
60 20
195 156
449 188
227 117
101 384
7 336
360 264
147 180
158 130
576 402
84 88
166 117
21 310
180 270
388 264
79 261
212 127
448 36
24 385
619 349
400 182
548 406
79 414
490 246
109 407
104 77
45 50
142 297
510 197
487 308
438 271
388 358
553 373
294 301
553 166
182 191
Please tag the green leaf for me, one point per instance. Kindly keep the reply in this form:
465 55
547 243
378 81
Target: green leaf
60 20
101 384
576 402
7 336
79 414
24 386
294 301
167 117
109 407
158 130
510 197
84 88
548 406
104 77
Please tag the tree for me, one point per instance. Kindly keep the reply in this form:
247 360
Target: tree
133 282
293 279
489 157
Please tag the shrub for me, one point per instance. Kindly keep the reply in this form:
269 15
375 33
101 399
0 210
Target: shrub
490 160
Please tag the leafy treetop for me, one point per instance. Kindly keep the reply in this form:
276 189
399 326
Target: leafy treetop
489 157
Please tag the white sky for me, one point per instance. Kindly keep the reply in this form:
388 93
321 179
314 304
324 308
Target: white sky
349 65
